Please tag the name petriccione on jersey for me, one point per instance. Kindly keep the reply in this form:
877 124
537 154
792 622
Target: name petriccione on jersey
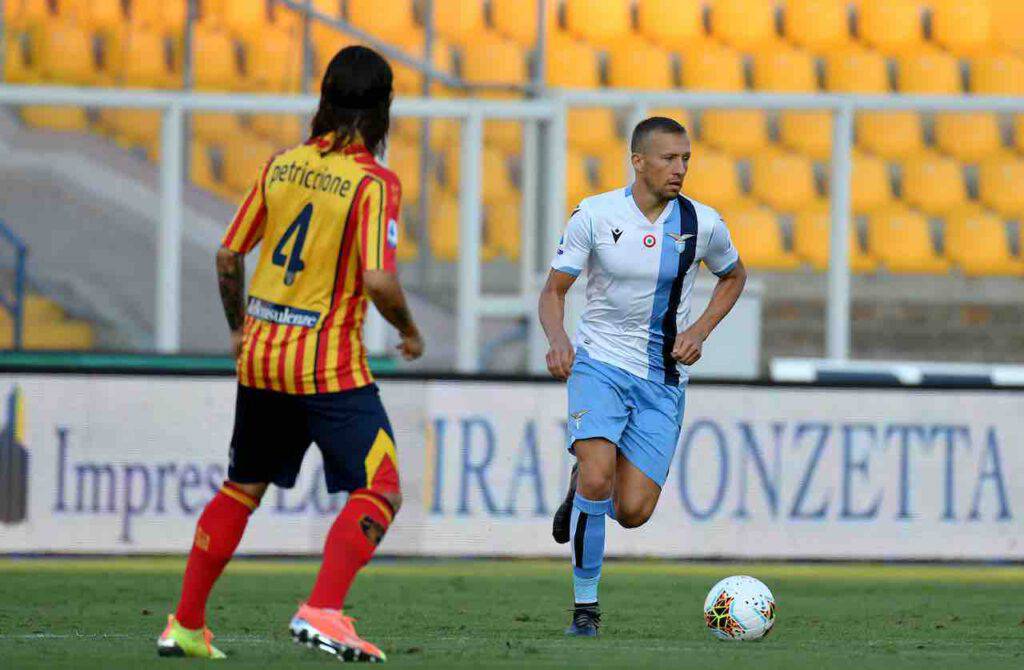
324 218
640 276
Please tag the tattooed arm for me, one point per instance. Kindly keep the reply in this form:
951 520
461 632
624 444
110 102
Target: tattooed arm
231 281
386 293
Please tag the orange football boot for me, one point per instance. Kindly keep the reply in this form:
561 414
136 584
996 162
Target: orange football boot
333 632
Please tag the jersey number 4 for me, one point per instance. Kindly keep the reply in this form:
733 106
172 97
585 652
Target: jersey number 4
292 263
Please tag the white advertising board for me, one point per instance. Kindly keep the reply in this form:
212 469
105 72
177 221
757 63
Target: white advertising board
125 465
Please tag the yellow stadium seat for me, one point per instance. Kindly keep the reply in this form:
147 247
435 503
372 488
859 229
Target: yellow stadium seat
404 158
738 131
215 126
977 242
17 65
458 20
160 16
1000 180
929 72
870 186
933 183
890 134
135 127
408 81
712 178
244 158
670 22
613 170
63 119
819 25
390 25
997 74
145 63
968 137
807 132
576 179
1008 25
571 64
743 24
591 129
511 19
497 181
408 247
715 69
215 62
599 22
66 54
812 241
19 16
786 70
492 58
502 229
784 181
443 226
894 26
105 15
283 130
962 26
275 61
856 71
1018 131
635 64
245 17
900 238
756 235
201 166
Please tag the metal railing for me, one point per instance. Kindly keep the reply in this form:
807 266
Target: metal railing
15 304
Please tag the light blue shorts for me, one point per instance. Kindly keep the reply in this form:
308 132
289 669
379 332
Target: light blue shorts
641 417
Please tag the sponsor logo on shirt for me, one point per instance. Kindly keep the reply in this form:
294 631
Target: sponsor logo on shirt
282 314
616 234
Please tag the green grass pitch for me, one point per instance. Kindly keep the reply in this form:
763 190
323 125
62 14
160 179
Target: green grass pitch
476 614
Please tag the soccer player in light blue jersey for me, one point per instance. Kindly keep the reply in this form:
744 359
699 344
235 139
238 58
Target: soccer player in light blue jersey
640 246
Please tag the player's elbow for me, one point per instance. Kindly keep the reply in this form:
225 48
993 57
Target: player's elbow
379 285
226 257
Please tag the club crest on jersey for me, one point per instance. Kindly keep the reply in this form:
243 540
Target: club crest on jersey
578 417
650 240
680 241
392 233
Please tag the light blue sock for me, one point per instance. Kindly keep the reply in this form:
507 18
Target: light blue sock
586 534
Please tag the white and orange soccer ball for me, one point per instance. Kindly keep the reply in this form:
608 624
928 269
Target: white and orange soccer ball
740 608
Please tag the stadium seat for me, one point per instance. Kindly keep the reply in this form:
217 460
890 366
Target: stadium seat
978 243
681 116
403 157
283 130
510 19
245 17
856 71
275 61
900 238
786 70
739 131
743 24
712 178
613 170
602 23
714 69
134 127
592 129
968 137
1008 25
200 165
244 158
443 227
934 183
458 20
66 54
870 185
635 64
1000 182
931 72
964 27
105 15
57 118
326 44
492 58
502 229
819 25
408 247
807 132
164 17
998 74
216 66
215 126
497 181
393 24
893 26
17 64
571 64
577 182
890 134
670 22
756 234
784 181
812 241
408 81
146 63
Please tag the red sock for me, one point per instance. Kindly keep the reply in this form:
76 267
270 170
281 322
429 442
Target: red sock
350 543
218 533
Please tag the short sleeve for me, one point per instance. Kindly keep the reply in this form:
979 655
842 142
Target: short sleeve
575 246
246 229
378 205
721 256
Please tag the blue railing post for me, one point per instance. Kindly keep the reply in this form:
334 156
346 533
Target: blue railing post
16 305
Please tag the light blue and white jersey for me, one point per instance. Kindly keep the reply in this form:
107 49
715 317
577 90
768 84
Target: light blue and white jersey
640 276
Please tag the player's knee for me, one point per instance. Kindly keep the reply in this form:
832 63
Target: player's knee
594 484
630 514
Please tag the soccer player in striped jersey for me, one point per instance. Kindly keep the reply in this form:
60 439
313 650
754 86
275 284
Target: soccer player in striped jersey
641 246
327 215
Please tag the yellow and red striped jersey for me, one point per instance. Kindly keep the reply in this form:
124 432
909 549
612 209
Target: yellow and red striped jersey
323 218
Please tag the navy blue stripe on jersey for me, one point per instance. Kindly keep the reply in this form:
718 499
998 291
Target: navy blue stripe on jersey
688 226
667 269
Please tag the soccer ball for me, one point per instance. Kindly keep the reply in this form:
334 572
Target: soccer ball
739 608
